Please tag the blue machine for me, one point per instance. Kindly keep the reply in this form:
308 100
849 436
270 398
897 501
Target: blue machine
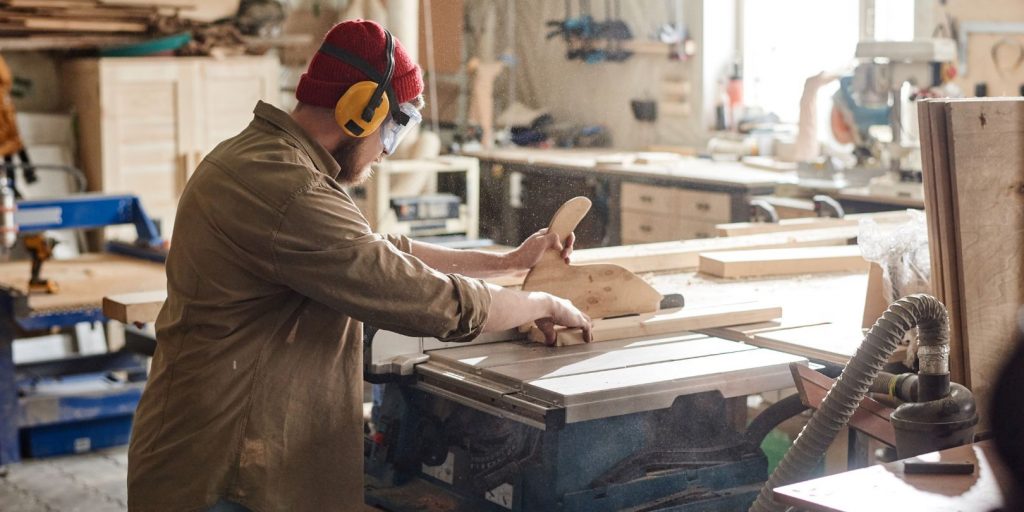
68 405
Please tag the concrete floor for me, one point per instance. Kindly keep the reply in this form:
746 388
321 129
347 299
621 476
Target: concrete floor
93 482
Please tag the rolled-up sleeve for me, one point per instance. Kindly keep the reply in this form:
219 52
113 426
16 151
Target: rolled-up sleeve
324 250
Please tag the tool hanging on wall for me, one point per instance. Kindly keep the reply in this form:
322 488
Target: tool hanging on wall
614 30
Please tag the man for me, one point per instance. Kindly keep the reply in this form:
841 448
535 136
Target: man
255 396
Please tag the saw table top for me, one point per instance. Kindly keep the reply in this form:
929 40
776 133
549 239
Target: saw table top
610 378
83 281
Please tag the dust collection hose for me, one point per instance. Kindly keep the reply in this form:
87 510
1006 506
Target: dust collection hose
922 311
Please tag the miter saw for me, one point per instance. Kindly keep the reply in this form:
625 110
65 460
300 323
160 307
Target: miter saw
869 110
636 422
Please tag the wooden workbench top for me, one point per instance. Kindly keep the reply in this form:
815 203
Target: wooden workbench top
683 169
84 280
886 487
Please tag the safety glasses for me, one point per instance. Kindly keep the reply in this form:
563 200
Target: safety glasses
398 125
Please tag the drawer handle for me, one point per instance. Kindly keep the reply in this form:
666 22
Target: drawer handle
703 235
645 228
703 207
647 199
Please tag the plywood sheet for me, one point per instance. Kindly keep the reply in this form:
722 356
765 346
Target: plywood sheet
666 322
780 262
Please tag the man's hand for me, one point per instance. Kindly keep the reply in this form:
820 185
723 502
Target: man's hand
563 313
530 251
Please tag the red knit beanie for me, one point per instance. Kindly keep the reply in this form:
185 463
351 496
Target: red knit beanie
327 78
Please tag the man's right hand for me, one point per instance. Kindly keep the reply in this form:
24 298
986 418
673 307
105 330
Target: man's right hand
563 313
512 308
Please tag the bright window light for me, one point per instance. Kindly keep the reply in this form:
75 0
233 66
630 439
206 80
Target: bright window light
780 54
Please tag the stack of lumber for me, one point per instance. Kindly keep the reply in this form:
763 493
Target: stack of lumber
973 159
783 262
87 17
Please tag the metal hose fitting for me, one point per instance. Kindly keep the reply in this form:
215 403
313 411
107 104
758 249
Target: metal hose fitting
932 320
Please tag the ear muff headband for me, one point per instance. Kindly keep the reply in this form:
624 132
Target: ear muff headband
365 105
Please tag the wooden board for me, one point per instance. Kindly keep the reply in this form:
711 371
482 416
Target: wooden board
756 228
987 172
130 308
685 255
599 290
780 262
945 219
85 280
887 487
666 322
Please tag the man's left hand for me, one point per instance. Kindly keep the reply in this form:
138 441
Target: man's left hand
530 251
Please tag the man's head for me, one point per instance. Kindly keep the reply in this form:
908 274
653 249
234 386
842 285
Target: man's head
334 70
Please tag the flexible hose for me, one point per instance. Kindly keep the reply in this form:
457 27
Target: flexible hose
772 417
923 311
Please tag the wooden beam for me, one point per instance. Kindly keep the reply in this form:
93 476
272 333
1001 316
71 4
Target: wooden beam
782 262
130 308
667 322
685 255
755 228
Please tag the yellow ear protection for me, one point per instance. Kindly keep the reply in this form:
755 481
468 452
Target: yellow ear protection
365 105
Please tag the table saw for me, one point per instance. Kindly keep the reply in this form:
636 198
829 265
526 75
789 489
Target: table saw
508 424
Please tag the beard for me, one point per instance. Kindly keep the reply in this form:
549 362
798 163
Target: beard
354 167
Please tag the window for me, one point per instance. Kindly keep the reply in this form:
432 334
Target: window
779 54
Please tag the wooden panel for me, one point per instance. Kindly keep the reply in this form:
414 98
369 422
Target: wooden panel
648 198
667 322
707 206
987 142
779 262
892 489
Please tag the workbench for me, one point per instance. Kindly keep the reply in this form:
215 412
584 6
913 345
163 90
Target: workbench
633 203
83 281
887 487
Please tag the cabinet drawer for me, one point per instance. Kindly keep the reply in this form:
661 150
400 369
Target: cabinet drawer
691 230
709 206
645 198
648 227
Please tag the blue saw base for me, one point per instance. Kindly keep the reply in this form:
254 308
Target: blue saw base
687 458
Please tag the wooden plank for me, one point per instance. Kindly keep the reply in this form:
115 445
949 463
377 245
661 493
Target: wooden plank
600 290
670 321
987 174
130 308
782 262
888 487
81 25
755 228
825 342
685 255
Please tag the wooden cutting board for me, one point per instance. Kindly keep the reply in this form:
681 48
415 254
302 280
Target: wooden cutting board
599 290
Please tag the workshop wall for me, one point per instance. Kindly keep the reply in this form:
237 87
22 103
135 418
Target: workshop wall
574 91
996 59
